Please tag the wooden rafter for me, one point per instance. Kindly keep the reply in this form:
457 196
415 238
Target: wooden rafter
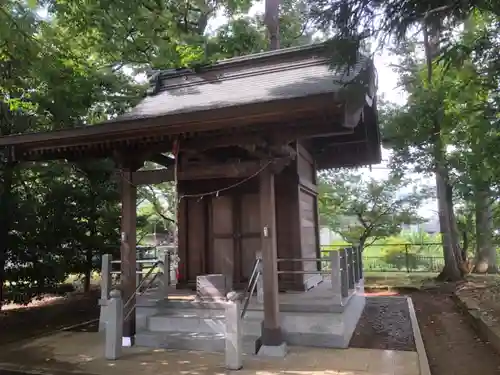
206 171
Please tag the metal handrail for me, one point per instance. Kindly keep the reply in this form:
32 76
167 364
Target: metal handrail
157 263
309 272
252 284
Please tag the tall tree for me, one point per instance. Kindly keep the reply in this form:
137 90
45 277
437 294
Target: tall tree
360 210
355 22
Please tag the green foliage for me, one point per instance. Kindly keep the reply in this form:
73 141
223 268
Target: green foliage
359 209
76 67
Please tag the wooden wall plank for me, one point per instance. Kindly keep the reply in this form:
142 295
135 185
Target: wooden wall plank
196 234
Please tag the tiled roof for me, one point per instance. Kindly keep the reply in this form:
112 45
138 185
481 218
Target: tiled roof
285 74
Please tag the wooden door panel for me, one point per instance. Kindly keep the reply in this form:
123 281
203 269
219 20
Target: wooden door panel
249 247
196 240
223 256
222 216
250 212
308 230
249 234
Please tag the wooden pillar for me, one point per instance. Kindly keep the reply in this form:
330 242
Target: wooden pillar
128 253
271 329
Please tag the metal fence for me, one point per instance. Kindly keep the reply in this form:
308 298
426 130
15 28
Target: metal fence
425 257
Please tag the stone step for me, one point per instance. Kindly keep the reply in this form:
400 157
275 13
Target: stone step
203 312
207 342
204 321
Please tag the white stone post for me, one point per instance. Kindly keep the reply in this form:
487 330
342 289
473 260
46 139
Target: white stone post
165 274
105 289
234 345
336 276
260 283
114 328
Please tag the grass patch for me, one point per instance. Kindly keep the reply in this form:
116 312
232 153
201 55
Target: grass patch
398 279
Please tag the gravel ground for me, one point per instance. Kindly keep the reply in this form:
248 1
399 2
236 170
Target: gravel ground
384 324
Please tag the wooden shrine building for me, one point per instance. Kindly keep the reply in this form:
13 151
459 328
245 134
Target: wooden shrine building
249 134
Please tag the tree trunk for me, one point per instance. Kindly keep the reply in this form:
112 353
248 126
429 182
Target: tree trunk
451 270
450 237
485 251
271 19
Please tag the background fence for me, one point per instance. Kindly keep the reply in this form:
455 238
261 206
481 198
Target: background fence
427 257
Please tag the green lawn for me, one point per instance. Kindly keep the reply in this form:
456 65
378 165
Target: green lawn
415 279
397 279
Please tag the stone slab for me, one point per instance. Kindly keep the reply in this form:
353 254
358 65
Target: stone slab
273 351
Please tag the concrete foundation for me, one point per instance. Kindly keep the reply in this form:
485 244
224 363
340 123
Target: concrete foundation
307 319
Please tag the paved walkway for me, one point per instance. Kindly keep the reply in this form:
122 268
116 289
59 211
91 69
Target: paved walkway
77 352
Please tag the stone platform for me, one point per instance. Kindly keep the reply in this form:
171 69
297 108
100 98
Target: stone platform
310 318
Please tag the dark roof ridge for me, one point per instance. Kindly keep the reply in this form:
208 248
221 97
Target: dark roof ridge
159 74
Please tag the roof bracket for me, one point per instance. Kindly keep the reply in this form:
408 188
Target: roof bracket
154 84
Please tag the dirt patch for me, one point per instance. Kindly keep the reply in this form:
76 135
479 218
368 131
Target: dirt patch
52 315
452 346
485 295
384 324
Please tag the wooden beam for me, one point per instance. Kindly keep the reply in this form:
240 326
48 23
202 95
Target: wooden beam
272 135
205 143
204 172
306 185
161 159
257 152
271 328
128 251
305 153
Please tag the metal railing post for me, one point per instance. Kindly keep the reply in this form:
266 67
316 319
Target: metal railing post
105 289
114 328
343 273
354 262
234 344
350 273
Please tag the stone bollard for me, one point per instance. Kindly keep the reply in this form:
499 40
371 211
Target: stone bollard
343 273
260 282
105 289
234 345
165 274
114 327
336 276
